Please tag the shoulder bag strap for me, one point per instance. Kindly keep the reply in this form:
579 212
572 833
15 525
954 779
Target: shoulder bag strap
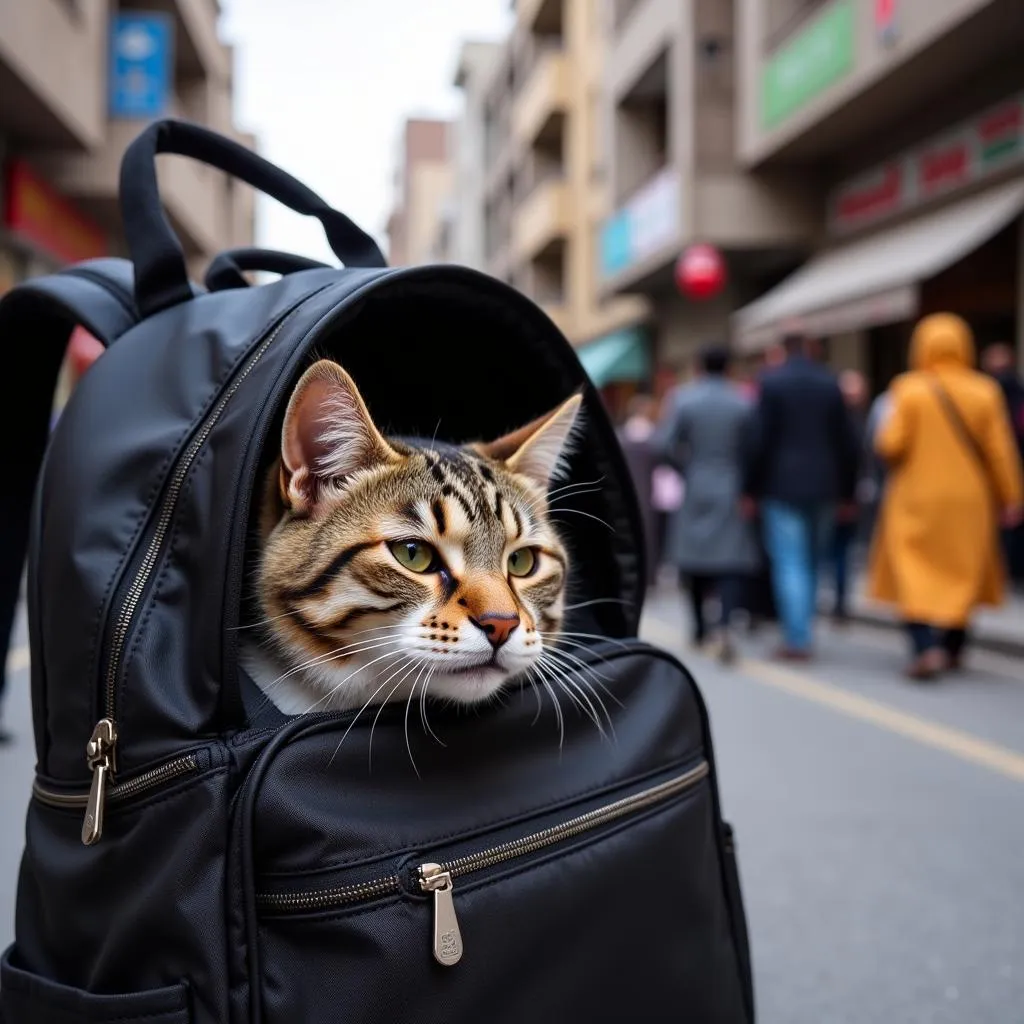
970 442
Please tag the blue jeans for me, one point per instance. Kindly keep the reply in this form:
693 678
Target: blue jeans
796 537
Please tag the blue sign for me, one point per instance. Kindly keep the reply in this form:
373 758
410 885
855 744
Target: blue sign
616 248
140 64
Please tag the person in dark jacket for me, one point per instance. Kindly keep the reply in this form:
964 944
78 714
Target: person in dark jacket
801 470
844 536
710 542
998 362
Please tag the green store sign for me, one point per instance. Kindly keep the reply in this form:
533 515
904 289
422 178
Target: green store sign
809 63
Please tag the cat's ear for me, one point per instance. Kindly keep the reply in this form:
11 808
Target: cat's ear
538 450
327 434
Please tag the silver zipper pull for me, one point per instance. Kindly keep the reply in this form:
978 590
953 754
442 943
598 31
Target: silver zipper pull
99 753
447 937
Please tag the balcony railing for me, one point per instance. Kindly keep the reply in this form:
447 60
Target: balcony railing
541 218
544 92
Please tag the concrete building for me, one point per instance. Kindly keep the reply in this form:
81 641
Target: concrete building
462 232
677 175
546 188
62 132
904 119
424 172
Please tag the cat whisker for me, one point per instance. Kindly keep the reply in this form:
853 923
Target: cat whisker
536 696
575 483
369 701
580 512
557 706
329 696
566 494
579 661
423 707
585 636
408 703
596 600
554 647
587 681
577 692
411 663
342 652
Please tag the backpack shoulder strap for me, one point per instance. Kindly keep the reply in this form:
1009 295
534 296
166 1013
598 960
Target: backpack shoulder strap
36 322
963 432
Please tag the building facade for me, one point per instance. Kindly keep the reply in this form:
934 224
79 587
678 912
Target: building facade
546 188
906 117
78 80
677 175
461 234
419 228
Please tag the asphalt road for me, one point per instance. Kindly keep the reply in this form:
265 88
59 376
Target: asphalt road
880 827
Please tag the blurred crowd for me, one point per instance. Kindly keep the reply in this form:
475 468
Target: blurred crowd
754 487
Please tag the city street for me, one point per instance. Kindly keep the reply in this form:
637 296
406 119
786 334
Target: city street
880 826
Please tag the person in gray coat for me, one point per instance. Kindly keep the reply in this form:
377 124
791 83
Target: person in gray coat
711 539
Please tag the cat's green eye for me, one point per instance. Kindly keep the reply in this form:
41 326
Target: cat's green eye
415 555
522 562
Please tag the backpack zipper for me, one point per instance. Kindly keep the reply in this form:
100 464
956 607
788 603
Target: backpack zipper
102 746
437 878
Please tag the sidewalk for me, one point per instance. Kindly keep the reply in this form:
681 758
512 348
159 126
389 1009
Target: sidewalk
994 629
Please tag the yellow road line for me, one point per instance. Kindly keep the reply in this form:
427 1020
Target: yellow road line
963 745
17 659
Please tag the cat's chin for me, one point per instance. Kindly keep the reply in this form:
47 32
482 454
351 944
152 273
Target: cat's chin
299 693
469 685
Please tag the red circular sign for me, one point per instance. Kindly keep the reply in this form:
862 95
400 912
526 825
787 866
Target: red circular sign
700 272
83 350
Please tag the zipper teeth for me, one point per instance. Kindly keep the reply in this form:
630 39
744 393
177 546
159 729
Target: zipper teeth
323 898
131 601
184 765
330 897
575 826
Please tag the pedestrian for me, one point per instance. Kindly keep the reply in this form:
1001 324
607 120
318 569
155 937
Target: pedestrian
846 530
801 470
636 436
998 362
710 542
872 485
954 471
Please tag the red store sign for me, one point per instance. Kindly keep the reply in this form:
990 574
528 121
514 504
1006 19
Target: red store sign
38 213
969 154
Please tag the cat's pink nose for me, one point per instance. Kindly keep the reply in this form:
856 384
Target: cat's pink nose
498 626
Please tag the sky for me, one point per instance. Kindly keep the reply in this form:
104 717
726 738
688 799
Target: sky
326 86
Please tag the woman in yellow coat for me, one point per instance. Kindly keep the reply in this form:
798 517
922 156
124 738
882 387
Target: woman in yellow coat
954 473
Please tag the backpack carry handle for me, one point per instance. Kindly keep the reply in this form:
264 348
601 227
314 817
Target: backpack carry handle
161 277
225 270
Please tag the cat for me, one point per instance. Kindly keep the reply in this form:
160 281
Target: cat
388 565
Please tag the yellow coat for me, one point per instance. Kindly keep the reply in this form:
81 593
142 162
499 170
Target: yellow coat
936 549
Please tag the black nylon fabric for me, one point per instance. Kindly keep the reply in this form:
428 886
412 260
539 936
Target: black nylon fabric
138 558
634 921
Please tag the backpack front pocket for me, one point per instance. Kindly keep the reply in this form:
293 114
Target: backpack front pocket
437 877
504 878
27 998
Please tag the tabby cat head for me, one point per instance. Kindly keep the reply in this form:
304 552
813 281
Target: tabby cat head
389 566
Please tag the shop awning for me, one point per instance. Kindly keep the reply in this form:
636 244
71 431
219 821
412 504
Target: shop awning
619 356
874 280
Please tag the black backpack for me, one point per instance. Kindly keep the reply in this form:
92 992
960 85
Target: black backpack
193 859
